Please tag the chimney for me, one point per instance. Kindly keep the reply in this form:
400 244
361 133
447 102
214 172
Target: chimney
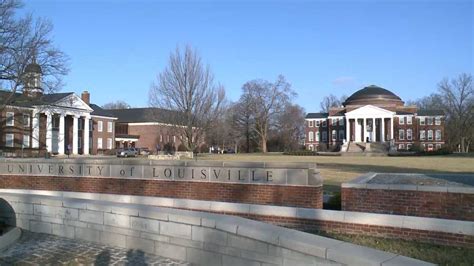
85 96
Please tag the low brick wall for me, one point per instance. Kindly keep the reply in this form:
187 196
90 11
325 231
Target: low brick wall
297 196
292 184
196 237
457 206
425 200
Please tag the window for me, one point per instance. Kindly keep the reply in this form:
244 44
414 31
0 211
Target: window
26 120
341 121
325 136
311 148
10 119
409 134
438 120
438 146
422 135
318 123
79 142
99 143
317 136
99 126
430 121
310 123
161 138
438 134
430 147
430 134
409 120
341 134
401 120
401 146
109 126
424 146
26 141
9 140
310 136
324 123
408 146
334 122
422 121
91 124
109 143
401 134
80 124
334 135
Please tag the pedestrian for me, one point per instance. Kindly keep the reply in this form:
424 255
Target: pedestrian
68 150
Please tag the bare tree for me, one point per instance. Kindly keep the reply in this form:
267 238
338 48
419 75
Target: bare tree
266 101
24 40
116 105
331 101
458 96
242 121
290 127
187 87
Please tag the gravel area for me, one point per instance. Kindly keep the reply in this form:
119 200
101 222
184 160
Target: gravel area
424 179
43 249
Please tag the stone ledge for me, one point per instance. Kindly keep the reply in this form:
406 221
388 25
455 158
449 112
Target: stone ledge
179 229
399 221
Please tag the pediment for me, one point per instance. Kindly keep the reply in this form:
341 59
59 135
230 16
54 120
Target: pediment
73 101
370 111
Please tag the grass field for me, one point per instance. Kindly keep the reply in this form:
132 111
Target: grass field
338 169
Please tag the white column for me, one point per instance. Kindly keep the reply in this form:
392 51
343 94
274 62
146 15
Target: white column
35 137
374 136
49 132
382 132
61 134
357 130
365 130
391 128
86 136
75 134
348 130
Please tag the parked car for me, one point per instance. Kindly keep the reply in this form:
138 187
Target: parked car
127 152
143 151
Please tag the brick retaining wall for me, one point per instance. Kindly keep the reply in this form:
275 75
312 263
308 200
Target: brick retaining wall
295 196
447 205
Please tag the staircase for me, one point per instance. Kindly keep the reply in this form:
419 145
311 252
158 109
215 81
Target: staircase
366 149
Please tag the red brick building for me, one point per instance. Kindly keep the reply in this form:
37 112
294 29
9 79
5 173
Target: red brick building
58 123
374 114
146 128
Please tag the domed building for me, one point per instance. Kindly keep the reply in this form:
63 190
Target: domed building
374 115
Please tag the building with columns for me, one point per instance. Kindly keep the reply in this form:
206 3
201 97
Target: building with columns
33 123
375 115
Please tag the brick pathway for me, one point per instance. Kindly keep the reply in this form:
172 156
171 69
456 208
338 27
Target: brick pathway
43 249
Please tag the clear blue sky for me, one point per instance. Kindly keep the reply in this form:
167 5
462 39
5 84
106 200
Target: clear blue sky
321 47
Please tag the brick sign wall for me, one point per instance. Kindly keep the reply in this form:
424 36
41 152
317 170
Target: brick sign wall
298 185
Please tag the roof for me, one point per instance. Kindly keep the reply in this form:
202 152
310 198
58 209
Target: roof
317 115
21 100
143 115
372 92
99 111
404 113
430 112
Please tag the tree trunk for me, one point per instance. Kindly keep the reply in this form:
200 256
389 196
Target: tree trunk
264 144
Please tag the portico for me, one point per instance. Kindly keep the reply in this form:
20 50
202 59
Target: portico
66 124
369 124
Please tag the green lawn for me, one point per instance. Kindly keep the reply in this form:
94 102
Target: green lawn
437 254
338 169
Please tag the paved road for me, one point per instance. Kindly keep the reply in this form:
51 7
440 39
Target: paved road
42 249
